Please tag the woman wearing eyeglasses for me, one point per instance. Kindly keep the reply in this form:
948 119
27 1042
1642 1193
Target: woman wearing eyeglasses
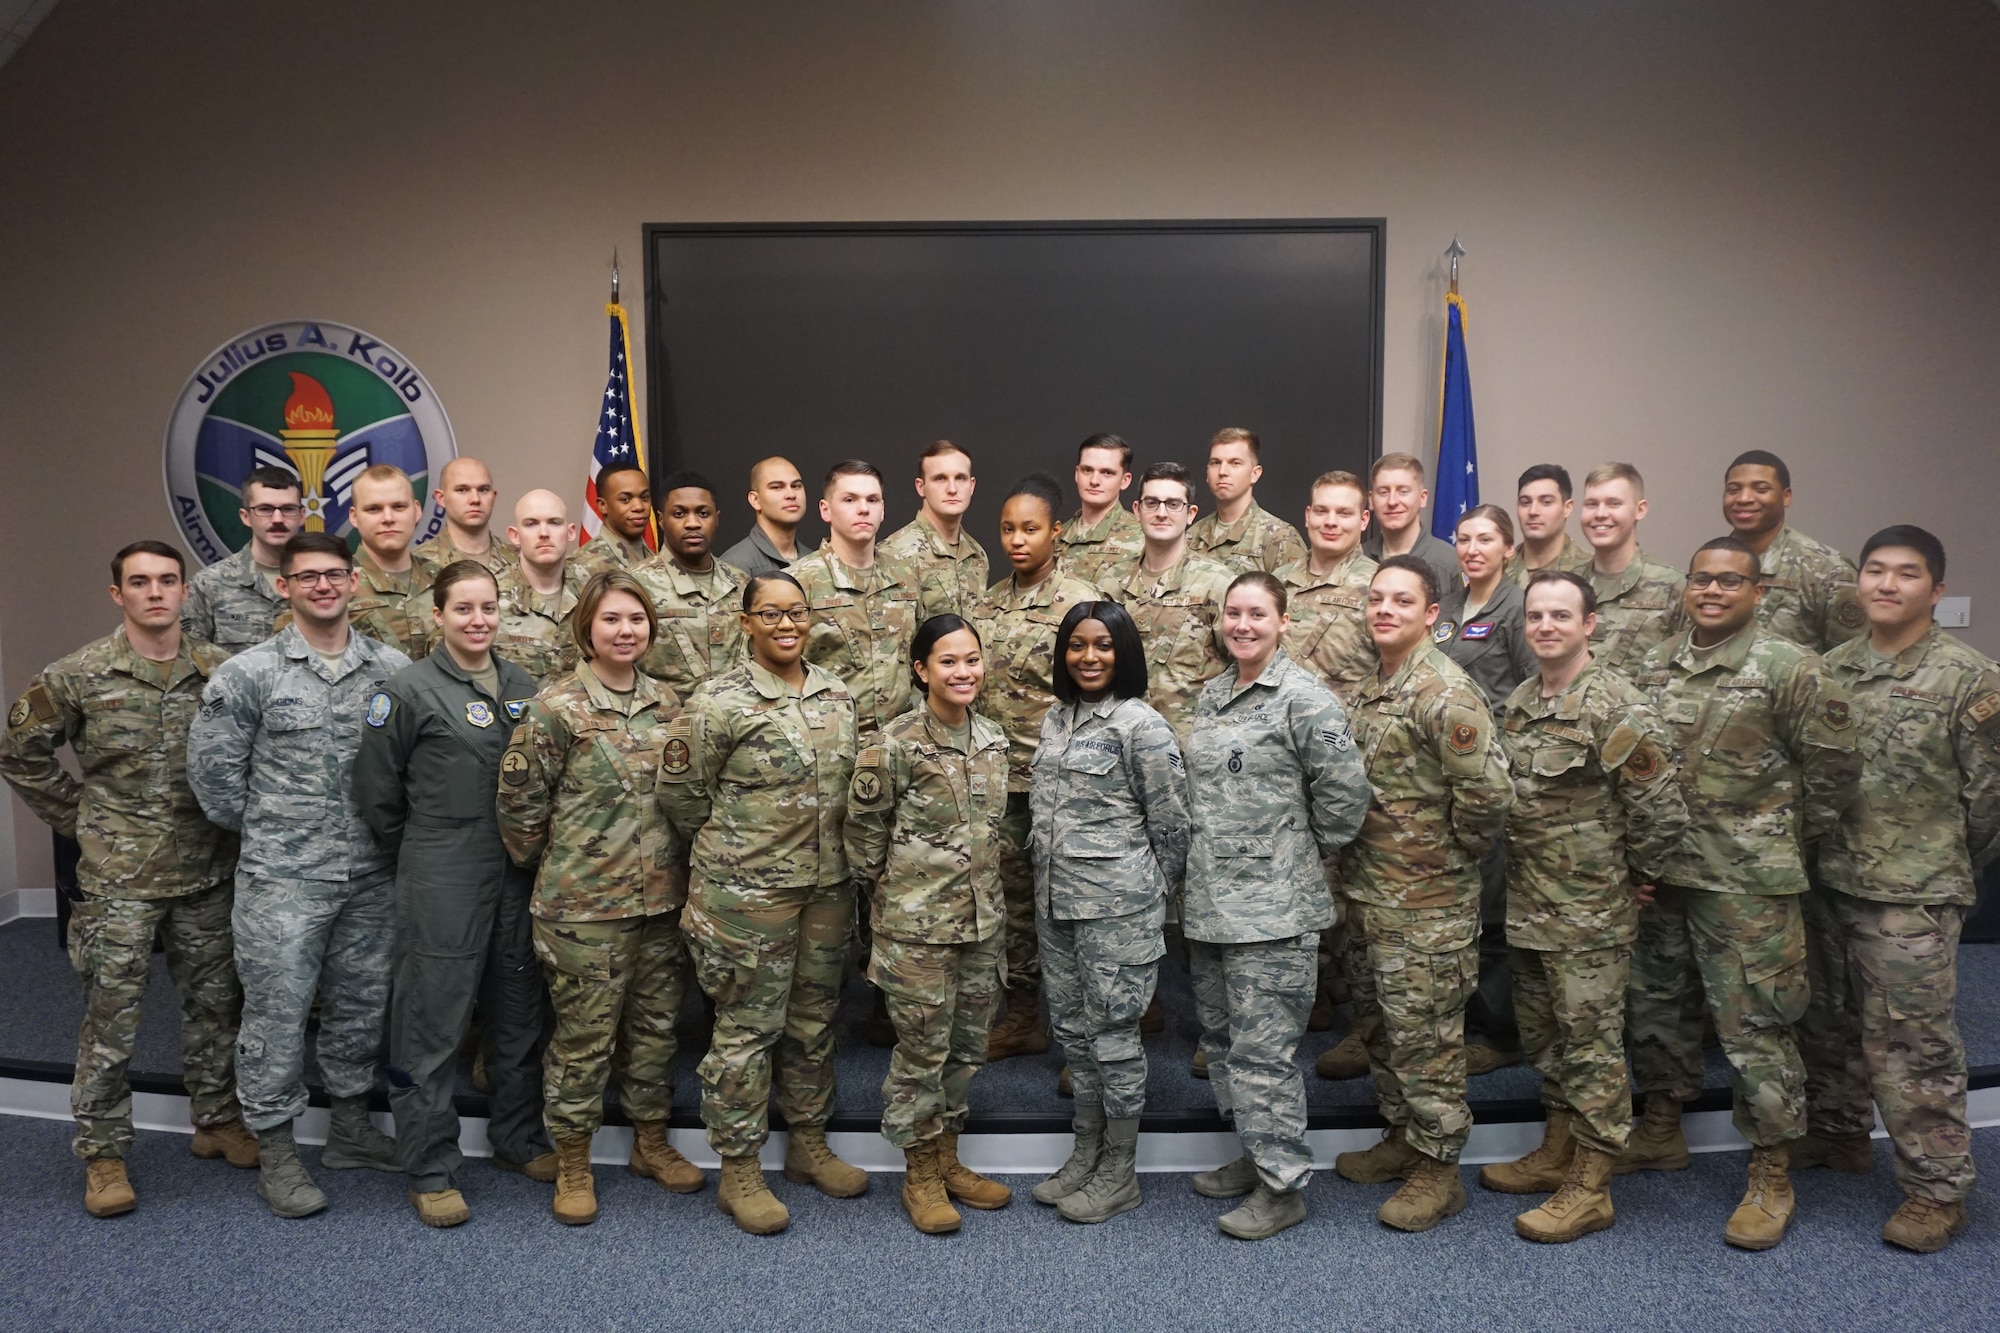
755 776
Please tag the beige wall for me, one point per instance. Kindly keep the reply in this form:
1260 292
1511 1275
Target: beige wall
1694 227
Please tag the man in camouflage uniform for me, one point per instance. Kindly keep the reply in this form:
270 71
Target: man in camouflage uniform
151 864
234 602
1103 535
1175 597
624 507
865 602
1543 504
1808 587
698 598
538 592
392 601
465 492
1901 869
1764 740
270 755
1596 809
1017 631
1411 882
755 777
950 562
1240 536
1638 600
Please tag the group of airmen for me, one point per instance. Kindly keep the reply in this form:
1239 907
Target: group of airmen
1507 799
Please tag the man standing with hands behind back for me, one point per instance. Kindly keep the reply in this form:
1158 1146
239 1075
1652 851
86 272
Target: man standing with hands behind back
1239 534
949 560
465 491
1103 535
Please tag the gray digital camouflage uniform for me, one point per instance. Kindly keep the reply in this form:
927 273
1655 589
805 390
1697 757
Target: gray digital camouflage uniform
1109 841
1275 785
231 605
271 754
152 864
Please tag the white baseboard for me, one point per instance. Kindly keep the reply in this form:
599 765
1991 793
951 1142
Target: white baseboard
18 903
1003 1154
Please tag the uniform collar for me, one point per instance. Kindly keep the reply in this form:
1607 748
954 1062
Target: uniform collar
1299 573
872 579
379 579
645 693
685 581
1075 531
962 551
1624 580
125 659
293 645
1730 654
1171 580
1041 594
522 595
1237 531
1418 656
1567 705
1271 677
1903 665
770 686
241 568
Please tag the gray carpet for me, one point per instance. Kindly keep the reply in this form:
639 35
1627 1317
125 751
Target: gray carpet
202 1253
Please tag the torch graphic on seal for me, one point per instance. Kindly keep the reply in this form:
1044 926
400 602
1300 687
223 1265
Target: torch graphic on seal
309 439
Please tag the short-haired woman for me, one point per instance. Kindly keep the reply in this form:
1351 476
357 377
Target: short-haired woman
1109 843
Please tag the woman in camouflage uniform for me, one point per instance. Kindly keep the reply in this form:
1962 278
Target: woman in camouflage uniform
576 794
923 814
1109 845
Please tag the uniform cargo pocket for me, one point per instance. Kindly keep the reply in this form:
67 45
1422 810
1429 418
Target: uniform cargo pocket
1921 1001
1781 989
1235 847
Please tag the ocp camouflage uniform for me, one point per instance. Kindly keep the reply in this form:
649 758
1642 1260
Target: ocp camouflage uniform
1017 635
1596 809
1109 846
1440 792
953 577
1179 615
534 632
1901 868
862 623
1638 608
1275 785
1329 629
923 814
1763 737
1570 559
151 863
1809 594
1094 553
701 620
608 550
394 608
756 776
1257 540
271 754
231 605
576 795
441 551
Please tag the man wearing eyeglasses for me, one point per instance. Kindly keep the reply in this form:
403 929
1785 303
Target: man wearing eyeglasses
270 754
1174 595
1763 738
234 602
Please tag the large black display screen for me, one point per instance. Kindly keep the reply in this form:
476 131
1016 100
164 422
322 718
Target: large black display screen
823 342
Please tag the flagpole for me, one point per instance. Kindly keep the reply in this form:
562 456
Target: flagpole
614 273
1454 252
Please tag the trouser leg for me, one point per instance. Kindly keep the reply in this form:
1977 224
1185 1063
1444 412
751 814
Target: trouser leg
1586 1061
1829 1036
1211 1012
201 959
1535 982
1663 1002
1752 956
441 930
1118 966
281 928
354 986
1062 985
919 982
972 1014
1023 975
802 1065
111 947
745 945
1904 962
514 1000
1268 989
1489 1013
1425 964
643 1058
588 965
1363 1004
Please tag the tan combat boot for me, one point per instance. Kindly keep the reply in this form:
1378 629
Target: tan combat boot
924 1197
1759 1221
1390 1159
1541 1171
1657 1143
1483 1059
1581 1206
1923 1225
809 1161
1321 1017
654 1157
743 1195
106 1191
1852 1153
542 1166
229 1140
1198 1066
440 1208
961 1182
1432 1193
1021 1032
1347 1060
576 1189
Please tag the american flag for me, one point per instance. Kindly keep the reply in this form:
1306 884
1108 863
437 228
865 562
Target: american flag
617 429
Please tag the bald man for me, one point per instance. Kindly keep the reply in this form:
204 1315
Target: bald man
538 590
465 489
778 495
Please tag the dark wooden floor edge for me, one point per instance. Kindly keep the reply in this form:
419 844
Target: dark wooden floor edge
1053 1121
